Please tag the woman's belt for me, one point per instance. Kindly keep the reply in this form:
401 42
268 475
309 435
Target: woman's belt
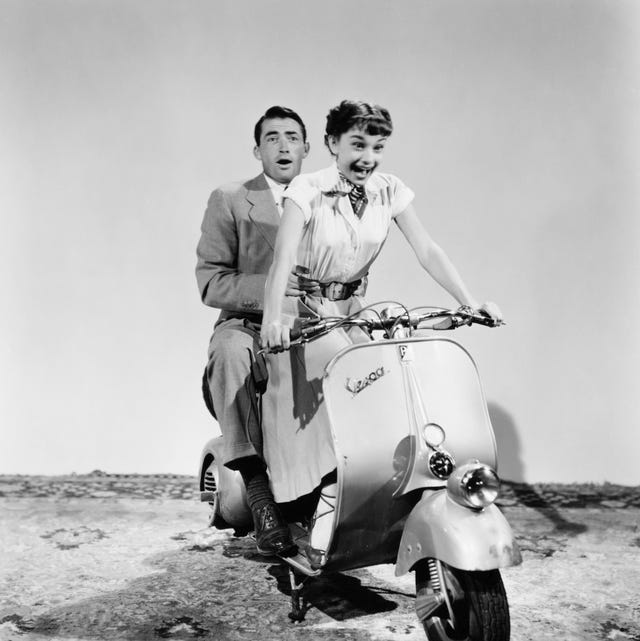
339 291
332 290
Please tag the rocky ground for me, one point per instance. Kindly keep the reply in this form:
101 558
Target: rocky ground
130 557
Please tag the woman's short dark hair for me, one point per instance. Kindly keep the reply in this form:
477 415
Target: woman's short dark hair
278 112
372 119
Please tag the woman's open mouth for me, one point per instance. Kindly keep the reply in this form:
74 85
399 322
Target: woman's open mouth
361 173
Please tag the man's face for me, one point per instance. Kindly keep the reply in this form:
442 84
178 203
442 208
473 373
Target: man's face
357 154
281 149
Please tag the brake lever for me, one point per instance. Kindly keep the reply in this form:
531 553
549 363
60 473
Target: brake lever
449 322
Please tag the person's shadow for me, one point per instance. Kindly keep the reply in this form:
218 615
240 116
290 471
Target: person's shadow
512 471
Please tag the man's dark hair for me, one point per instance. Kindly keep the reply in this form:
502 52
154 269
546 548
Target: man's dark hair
278 112
372 119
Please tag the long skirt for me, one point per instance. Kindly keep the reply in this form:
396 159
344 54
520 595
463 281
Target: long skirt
298 445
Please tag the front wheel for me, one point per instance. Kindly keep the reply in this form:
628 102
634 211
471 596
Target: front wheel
459 605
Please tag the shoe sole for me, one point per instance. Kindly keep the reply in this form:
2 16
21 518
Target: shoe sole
290 551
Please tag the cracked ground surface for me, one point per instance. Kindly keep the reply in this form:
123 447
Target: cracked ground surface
130 557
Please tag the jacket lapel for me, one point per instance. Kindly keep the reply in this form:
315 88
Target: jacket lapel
262 210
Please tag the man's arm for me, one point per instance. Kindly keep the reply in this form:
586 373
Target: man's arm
220 283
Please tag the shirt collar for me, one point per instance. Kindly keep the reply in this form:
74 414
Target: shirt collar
277 191
276 188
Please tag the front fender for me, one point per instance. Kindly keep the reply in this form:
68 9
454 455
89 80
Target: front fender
467 539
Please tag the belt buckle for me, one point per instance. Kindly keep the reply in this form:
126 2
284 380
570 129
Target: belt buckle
335 291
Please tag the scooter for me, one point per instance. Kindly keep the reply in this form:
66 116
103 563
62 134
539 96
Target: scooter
416 472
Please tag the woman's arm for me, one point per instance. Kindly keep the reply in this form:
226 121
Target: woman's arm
436 262
273 333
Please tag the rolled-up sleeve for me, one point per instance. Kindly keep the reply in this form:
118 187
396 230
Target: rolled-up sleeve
301 192
401 196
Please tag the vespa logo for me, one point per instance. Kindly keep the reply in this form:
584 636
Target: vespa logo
406 352
356 386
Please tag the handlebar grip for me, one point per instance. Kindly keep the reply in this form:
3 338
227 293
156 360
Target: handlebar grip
482 318
295 333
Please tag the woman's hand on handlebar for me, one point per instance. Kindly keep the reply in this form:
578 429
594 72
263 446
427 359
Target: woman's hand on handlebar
275 336
492 310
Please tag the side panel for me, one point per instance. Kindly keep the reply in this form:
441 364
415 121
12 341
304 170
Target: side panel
378 396
466 539
232 506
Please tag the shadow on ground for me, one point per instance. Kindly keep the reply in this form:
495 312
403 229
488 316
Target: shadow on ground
214 591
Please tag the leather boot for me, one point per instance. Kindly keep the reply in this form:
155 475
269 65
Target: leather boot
272 532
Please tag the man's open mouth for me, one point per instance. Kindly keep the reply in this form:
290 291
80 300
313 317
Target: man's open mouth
283 162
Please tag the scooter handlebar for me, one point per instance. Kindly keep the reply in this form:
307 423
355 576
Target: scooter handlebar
466 315
450 319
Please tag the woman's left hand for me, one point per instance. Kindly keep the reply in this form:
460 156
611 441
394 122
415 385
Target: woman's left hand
491 309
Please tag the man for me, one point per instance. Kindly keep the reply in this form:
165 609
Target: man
234 255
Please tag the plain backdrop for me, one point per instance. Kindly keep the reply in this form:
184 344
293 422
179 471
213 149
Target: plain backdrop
516 123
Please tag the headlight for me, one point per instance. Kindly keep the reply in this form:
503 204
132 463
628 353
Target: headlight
474 485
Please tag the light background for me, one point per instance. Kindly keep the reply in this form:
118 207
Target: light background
517 124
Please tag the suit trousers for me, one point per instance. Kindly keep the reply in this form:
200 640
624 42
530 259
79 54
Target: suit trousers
231 353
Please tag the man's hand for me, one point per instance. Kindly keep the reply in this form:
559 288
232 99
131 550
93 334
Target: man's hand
298 285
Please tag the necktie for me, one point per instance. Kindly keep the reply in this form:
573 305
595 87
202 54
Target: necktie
358 199
357 195
280 200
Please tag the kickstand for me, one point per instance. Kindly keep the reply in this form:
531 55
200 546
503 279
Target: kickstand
298 606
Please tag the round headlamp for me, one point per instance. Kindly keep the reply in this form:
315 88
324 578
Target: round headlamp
474 485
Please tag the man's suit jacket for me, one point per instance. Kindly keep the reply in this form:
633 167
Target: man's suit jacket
236 247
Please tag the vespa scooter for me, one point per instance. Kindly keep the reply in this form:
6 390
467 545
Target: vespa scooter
416 479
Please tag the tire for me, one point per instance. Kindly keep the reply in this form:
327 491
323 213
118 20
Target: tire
477 608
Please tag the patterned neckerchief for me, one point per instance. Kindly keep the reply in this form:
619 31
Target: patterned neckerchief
356 193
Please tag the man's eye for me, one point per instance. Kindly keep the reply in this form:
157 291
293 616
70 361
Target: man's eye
293 138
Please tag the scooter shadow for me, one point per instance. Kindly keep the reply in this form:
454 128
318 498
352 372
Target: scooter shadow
339 596
512 467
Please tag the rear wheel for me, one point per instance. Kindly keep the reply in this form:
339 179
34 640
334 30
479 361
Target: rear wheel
458 605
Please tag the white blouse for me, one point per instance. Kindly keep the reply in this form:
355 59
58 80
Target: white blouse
336 245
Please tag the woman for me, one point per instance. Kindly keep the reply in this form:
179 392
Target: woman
334 224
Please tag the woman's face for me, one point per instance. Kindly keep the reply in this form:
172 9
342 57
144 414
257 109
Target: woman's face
357 153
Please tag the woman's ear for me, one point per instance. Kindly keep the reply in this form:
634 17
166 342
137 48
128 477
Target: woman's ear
332 143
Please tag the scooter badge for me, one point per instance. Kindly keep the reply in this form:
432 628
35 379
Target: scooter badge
406 353
357 385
